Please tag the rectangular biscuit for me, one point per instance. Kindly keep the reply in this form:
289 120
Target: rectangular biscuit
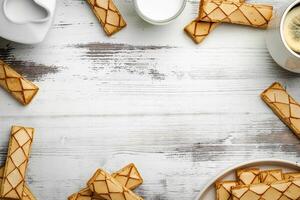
16 163
27 194
271 176
107 187
20 88
108 15
291 175
255 15
284 106
128 177
223 189
84 194
199 30
248 176
280 190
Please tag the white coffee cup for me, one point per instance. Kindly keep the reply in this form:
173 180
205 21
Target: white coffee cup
277 46
159 12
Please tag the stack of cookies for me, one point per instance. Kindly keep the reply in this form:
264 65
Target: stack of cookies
116 186
12 175
214 12
254 184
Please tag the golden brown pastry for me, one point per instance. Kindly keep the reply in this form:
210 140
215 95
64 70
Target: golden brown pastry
271 176
223 189
284 106
248 176
107 187
27 194
84 194
255 15
291 175
199 30
22 89
16 163
281 190
128 177
108 15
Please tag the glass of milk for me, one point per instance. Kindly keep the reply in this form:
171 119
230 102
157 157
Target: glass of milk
159 12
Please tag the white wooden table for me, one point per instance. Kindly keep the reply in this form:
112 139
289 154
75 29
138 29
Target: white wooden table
181 112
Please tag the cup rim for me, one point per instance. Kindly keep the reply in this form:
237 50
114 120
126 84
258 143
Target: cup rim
159 22
287 10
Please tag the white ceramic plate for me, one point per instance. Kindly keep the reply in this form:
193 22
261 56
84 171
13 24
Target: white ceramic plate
208 192
26 21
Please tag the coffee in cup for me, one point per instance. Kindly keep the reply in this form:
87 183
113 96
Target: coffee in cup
291 29
283 35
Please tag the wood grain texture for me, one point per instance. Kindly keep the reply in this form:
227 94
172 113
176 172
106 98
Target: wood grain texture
181 112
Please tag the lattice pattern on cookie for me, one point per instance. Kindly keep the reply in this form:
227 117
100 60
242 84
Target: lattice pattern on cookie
271 176
291 175
199 30
19 87
27 194
223 189
84 194
16 162
248 176
108 15
237 13
281 190
128 177
284 106
105 186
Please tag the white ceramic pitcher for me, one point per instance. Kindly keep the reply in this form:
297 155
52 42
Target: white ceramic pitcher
26 21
